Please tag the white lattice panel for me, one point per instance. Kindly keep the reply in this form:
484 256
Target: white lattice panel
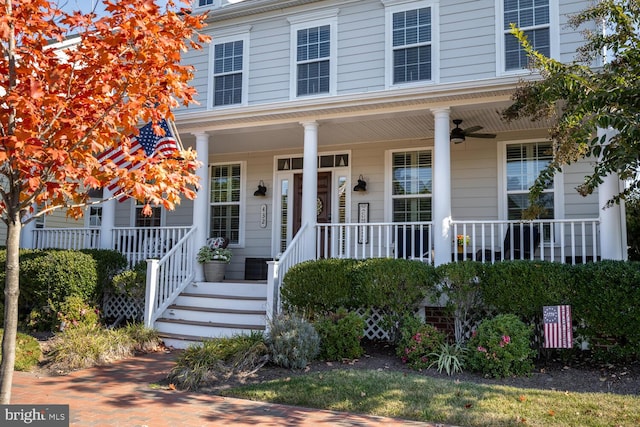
116 305
372 329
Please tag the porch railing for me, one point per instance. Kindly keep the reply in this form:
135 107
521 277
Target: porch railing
142 243
570 241
412 240
168 276
66 238
294 254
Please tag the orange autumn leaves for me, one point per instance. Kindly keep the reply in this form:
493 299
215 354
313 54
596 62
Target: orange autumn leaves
75 85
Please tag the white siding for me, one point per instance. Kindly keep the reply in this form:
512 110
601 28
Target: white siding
361 48
467 40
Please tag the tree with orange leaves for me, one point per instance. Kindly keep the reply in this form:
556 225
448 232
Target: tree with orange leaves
73 85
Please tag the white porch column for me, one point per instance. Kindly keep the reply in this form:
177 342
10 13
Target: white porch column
107 220
441 202
613 237
310 183
201 202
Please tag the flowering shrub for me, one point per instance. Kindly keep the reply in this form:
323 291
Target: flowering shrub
215 250
419 343
501 347
461 239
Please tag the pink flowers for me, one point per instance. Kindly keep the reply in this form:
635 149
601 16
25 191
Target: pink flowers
506 339
482 349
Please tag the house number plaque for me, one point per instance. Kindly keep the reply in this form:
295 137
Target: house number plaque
263 216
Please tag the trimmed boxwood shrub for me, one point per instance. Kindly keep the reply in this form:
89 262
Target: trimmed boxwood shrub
606 302
108 263
394 286
524 287
319 287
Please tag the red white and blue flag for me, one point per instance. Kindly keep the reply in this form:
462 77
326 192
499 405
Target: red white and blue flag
558 330
147 140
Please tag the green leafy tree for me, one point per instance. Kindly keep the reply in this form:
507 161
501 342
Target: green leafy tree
593 92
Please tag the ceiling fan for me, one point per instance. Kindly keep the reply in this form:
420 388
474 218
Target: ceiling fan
458 135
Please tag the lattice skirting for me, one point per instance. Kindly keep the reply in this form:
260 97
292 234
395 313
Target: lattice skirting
120 305
372 329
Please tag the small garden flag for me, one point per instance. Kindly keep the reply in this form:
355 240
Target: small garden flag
558 330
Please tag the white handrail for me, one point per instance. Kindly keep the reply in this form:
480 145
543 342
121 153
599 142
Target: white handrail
168 276
294 254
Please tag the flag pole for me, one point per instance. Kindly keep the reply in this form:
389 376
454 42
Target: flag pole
174 129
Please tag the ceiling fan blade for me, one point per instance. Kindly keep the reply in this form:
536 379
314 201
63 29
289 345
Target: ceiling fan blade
481 135
472 129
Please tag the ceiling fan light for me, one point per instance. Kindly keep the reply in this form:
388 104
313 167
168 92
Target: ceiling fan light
457 136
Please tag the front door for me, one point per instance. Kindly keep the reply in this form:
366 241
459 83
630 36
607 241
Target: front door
323 203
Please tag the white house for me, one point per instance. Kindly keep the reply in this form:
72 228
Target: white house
358 116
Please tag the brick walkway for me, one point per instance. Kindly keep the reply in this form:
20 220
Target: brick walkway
121 395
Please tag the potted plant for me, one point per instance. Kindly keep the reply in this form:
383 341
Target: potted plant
214 257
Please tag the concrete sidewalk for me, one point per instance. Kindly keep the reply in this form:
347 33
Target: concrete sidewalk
121 394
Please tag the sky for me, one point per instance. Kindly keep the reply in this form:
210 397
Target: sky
88 5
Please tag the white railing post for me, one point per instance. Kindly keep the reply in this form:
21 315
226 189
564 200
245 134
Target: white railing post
151 291
273 292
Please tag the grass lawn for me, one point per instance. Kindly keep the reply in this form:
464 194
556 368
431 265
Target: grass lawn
416 397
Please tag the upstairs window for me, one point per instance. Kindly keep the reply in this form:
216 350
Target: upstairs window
313 60
228 73
533 17
205 2
412 40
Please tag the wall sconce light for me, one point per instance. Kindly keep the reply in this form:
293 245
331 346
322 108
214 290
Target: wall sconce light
261 191
361 186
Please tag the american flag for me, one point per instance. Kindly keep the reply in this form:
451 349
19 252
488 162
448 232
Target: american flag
152 144
558 330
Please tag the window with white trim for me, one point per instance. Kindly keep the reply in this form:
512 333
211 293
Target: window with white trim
226 198
412 45
142 220
205 2
524 161
228 72
533 17
412 185
313 56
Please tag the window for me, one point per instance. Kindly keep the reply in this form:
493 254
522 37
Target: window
411 40
226 184
95 216
205 2
312 57
153 220
412 180
533 17
227 73
314 51
523 165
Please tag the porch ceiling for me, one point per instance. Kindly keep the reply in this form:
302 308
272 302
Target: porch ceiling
344 122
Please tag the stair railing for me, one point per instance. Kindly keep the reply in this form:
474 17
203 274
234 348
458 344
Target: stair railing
168 276
294 254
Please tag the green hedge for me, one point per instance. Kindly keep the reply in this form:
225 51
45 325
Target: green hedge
323 286
524 287
607 301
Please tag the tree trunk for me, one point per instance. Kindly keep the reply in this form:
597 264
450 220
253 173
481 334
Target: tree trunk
11 293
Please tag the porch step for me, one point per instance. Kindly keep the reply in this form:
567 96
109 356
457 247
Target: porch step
215 315
213 310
